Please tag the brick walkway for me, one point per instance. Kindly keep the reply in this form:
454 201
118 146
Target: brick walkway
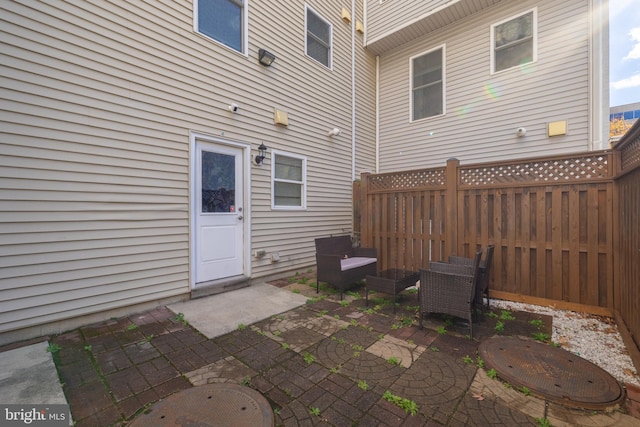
327 363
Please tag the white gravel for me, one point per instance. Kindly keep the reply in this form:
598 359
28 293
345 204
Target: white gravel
594 338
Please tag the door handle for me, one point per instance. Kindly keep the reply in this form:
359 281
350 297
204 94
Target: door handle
240 217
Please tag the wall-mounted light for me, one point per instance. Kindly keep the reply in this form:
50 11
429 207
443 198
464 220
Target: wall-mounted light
266 58
334 132
262 151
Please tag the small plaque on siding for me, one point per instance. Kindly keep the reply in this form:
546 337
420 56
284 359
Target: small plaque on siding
557 128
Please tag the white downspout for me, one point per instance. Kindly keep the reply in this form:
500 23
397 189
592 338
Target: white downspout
599 75
353 92
377 114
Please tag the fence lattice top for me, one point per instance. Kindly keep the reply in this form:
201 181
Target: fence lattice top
630 155
416 179
592 166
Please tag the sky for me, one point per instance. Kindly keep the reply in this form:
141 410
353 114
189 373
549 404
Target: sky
624 51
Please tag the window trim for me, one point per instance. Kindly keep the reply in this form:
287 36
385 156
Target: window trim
303 183
444 83
492 36
245 27
308 8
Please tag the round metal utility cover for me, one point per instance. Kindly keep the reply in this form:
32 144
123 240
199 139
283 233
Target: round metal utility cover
218 405
551 373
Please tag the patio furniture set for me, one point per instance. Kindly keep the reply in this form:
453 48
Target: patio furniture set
455 287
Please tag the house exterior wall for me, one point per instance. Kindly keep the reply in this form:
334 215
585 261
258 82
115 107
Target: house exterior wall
385 17
100 100
484 110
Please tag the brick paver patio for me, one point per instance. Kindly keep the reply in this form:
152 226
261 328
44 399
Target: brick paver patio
327 363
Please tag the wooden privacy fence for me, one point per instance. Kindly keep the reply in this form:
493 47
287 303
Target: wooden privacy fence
549 218
566 229
626 230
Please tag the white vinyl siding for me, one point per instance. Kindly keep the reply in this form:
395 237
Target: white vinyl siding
384 17
427 84
224 21
318 35
513 42
394 23
99 99
484 110
289 181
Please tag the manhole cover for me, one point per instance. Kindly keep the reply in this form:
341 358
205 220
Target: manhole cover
551 373
218 405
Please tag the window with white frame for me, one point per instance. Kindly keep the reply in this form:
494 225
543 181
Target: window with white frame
318 34
513 41
427 84
289 181
223 21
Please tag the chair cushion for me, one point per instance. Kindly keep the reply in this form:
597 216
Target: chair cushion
356 261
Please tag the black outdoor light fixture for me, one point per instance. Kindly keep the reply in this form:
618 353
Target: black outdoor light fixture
266 58
262 150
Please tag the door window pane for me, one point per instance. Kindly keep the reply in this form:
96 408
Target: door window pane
222 20
218 182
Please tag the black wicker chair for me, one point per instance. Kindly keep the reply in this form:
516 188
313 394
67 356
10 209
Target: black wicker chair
448 288
341 265
482 285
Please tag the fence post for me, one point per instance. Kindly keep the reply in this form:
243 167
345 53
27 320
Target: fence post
451 208
365 223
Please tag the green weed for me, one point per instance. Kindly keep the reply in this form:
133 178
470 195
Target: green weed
180 318
543 422
409 406
537 323
53 348
308 358
541 336
506 315
525 390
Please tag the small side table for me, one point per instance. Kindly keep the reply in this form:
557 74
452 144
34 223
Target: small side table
392 282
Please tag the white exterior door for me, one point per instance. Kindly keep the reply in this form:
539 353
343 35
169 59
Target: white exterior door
219 212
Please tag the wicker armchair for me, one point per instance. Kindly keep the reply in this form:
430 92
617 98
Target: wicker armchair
449 289
340 264
482 285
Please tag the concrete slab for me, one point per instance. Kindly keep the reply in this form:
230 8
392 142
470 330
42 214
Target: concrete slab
28 376
219 314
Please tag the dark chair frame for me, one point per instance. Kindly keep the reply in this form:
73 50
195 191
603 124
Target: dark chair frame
449 289
482 286
330 251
